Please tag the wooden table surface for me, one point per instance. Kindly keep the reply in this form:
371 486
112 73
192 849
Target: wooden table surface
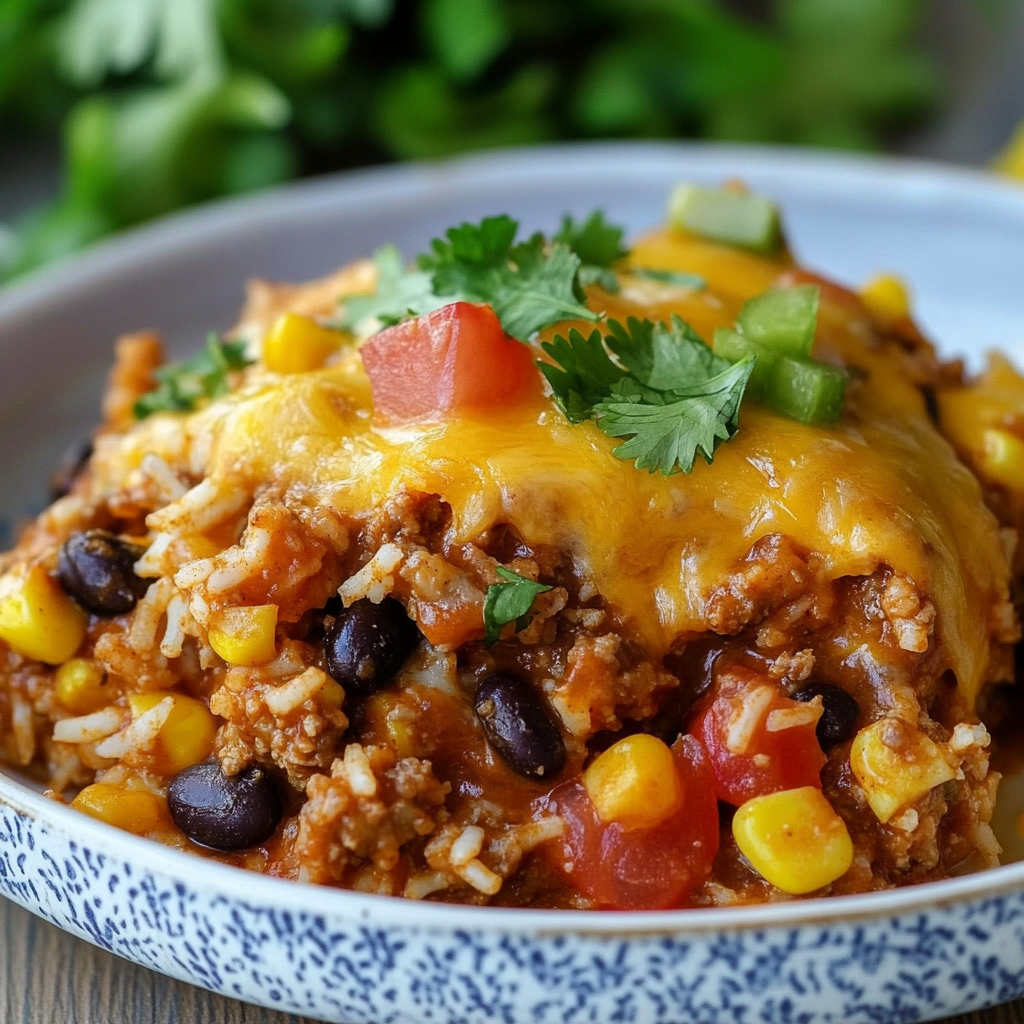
48 977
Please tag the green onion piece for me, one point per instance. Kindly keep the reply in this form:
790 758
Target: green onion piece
810 392
801 389
736 218
782 319
676 277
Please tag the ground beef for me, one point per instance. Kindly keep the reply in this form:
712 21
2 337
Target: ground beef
367 809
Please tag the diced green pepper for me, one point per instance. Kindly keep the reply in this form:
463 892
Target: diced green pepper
782 319
807 391
801 389
732 345
736 218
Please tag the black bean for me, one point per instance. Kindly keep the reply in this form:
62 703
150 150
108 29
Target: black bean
519 726
71 465
97 569
368 644
224 813
839 717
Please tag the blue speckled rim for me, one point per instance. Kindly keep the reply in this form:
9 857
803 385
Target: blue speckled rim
911 182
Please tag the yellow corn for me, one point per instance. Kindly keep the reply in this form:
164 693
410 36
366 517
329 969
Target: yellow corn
134 810
794 839
634 782
297 344
37 619
331 693
186 738
82 686
245 636
1011 160
1002 459
896 765
385 714
887 297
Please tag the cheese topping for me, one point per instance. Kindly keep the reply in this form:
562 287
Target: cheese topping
880 487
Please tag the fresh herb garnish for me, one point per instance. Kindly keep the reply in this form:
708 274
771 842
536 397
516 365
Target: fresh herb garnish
594 240
673 277
507 602
400 293
184 385
598 245
669 394
582 374
530 285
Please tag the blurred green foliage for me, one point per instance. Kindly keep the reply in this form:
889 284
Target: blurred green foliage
162 103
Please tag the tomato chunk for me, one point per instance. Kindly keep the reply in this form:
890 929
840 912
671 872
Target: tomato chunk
640 868
758 740
451 362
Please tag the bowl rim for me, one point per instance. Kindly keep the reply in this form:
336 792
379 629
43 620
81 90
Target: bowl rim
346 905
906 181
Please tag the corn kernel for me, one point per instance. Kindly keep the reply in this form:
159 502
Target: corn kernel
297 344
134 810
186 738
82 686
245 636
332 694
794 839
385 713
1002 459
37 619
634 782
896 765
887 297
1011 160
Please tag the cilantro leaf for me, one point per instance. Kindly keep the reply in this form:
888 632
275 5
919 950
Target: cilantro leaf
507 602
595 241
663 356
666 430
673 277
530 285
540 291
581 375
484 245
665 390
400 293
598 245
184 385
601 276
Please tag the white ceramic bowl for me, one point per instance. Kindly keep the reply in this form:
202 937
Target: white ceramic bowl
901 956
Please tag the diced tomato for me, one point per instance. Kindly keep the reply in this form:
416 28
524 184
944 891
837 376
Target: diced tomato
641 868
758 740
451 362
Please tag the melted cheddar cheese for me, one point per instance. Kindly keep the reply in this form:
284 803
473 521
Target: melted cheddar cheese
882 487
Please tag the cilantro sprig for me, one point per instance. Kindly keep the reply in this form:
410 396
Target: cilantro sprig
183 386
530 284
666 392
509 601
598 245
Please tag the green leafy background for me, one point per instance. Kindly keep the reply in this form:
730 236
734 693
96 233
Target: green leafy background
162 103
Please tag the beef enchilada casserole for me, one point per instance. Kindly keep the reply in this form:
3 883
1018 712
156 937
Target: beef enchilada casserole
540 572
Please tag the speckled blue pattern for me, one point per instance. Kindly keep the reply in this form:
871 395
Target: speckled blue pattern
343 965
